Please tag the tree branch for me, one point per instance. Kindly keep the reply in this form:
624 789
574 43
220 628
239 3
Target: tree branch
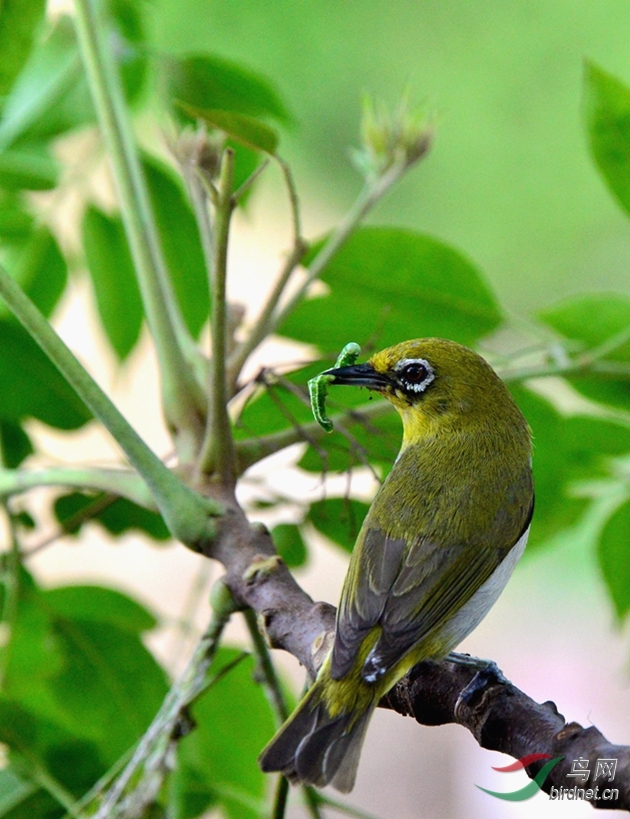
503 718
499 716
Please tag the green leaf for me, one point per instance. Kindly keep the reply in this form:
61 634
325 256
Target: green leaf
50 96
114 279
290 545
233 723
118 517
249 131
566 450
75 763
376 441
13 790
190 796
30 386
14 444
613 552
109 687
276 407
607 108
128 25
15 223
40 805
98 604
19 21
212 83
591 321
40 269
390 285
33 656
80 687
373 441
181 244
339 519
31 167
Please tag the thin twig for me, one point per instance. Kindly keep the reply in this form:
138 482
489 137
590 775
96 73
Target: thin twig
372 192
189 610
312 801
240 192
273 690
51 785
293 199
217 451
270 679
11 582
252 450
90 510
262 327
280 798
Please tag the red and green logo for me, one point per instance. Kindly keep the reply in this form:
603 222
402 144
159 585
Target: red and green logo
532 787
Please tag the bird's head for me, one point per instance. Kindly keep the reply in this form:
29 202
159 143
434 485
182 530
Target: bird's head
434 384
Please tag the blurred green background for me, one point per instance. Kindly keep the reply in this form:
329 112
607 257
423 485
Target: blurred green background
510 181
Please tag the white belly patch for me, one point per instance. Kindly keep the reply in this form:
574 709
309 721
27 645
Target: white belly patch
473 612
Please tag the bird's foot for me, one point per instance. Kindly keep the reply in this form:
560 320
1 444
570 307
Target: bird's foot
488 675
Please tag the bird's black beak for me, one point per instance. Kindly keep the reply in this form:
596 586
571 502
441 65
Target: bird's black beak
359 375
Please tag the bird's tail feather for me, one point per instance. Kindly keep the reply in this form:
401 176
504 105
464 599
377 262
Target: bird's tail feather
315 748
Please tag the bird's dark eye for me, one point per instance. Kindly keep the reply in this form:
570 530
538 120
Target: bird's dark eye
414 376
414 373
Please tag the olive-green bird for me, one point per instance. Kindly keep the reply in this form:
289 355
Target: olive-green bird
437 546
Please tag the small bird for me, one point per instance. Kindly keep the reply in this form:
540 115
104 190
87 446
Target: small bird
436 549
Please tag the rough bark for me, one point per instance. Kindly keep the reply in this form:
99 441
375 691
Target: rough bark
499 716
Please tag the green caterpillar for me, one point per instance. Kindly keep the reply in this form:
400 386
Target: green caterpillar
318 386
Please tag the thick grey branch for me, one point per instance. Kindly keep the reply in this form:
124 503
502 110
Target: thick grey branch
503 718
499 716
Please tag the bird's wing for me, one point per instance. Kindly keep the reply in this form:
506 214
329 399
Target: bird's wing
409 588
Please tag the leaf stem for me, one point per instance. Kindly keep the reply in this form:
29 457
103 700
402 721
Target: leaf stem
182 397
11 582
372 192
273 690
123 482
187 514
266 669
280 798
312 801
217 451
240 192
252 450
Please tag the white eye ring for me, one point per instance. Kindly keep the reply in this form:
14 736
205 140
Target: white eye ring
420 386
